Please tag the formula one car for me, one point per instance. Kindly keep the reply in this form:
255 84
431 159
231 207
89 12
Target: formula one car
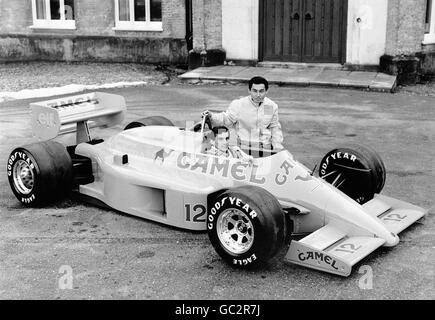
251 210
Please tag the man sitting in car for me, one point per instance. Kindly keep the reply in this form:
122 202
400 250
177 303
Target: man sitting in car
220 146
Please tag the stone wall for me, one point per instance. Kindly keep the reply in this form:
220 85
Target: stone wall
207 34
405 26
405 34
92 49
207 24
427 60
94 37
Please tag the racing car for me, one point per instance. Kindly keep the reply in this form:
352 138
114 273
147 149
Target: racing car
251 210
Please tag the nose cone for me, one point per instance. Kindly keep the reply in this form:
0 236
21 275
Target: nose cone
392 240
345 210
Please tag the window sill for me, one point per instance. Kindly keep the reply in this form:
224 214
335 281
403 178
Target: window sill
50 25
137 29
429 38
137 26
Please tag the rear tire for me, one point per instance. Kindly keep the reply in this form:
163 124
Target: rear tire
246 226
40 173
356 170
150 121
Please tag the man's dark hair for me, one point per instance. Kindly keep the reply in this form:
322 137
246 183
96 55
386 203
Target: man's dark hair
258 80
218 130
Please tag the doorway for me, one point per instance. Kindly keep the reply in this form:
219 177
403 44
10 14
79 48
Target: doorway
303 31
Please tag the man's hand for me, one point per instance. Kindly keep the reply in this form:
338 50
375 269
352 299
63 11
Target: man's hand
206 113
277 149
250 160
242 156
206 116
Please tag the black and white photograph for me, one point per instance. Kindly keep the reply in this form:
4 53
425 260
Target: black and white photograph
217 157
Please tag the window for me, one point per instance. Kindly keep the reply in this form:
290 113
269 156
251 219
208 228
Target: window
138 15
429 36
53 14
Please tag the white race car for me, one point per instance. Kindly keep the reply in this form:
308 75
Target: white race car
251 210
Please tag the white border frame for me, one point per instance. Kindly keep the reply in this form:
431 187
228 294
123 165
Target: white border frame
51 24
136 25
429 38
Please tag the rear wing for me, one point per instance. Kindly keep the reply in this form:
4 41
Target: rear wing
76 114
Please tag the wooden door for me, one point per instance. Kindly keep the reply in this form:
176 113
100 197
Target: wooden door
303 30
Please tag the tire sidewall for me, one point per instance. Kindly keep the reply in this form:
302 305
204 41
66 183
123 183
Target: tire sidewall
344 154
15 156
51 166
378 164
263 241
358 157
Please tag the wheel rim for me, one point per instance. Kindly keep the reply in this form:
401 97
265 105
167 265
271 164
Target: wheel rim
235 231
24 178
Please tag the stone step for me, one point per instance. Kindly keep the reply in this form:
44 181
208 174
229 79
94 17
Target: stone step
305 76
294 65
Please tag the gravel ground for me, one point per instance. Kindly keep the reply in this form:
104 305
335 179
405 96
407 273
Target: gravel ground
34 75
426 88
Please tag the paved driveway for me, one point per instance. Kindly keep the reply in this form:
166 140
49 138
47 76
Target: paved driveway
114 256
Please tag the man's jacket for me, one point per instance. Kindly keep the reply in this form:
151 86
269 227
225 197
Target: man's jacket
252 124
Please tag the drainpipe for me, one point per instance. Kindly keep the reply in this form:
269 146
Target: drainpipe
204 39
189 25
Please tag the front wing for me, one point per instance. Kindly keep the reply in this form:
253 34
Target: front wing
333 250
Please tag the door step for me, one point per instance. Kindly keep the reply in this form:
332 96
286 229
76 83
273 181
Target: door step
298 65
375 81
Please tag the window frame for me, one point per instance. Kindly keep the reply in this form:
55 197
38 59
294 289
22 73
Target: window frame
49 23
429 37
132 25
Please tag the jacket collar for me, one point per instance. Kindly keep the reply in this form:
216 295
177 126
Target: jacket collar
254 104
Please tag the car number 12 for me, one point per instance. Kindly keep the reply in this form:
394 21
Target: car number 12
394 217
198 211
348 247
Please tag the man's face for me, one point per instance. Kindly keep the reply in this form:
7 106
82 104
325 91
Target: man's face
221 141
258 92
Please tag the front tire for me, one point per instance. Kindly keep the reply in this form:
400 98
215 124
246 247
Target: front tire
40 173
356 170
246 226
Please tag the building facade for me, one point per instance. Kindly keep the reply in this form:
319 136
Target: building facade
144 31
396 36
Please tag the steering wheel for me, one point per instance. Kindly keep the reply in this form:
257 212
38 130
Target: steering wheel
200 126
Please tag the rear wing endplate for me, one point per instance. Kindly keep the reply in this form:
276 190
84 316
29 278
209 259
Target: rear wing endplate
76 114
